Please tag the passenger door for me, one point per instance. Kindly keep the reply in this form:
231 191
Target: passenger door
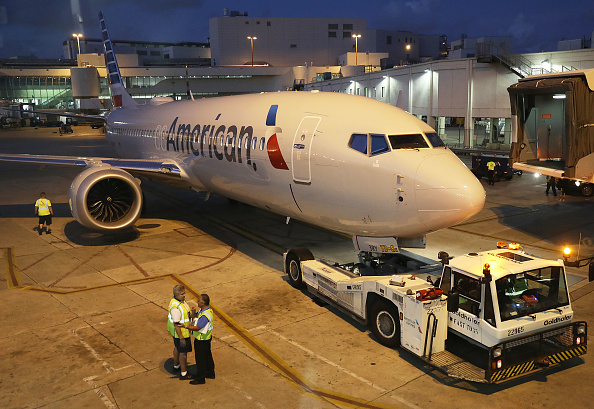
301 153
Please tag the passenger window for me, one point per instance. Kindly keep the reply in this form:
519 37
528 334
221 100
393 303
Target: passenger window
470 292
378 144
435 140
254 143
415 141
262 143
359 142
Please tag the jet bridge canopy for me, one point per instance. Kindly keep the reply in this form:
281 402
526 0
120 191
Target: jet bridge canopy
555 124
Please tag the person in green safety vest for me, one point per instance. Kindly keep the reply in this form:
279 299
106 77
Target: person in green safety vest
202 331
43 208
178 319
491 168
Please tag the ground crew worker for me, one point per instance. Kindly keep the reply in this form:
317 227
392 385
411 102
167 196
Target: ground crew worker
551 183
202 331
178 319
491 167
43 208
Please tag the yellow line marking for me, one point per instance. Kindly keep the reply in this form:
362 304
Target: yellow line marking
276 362
269 357
13 274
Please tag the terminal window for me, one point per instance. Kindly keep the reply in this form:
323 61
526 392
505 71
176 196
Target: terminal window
347 26
346 34
331 34
332 26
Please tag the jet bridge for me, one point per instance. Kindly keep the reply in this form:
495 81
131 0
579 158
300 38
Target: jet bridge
553 131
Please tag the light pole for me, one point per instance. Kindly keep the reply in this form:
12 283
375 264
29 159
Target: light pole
356 37
78 36
252 41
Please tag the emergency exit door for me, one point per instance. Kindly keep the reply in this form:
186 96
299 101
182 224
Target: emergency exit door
302 148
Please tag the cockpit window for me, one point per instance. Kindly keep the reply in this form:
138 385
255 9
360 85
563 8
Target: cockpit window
435 140
358 142
378 144
414 141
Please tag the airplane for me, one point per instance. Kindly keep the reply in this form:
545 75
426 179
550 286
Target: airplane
343 162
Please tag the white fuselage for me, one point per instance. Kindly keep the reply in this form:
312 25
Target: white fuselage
295 159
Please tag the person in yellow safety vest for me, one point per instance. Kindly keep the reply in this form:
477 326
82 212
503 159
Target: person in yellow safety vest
491 168
202 331
178 319
43 208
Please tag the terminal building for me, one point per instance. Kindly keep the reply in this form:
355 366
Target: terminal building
463 95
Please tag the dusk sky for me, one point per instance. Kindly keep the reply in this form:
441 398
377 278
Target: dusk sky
38 27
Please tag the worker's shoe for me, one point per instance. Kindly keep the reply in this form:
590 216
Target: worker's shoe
40 232
210 376
48 231
198 381
185 377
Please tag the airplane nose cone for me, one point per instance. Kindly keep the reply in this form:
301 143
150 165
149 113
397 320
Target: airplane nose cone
446 191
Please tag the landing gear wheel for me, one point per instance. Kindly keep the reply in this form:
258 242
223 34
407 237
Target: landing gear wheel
294 271
385 324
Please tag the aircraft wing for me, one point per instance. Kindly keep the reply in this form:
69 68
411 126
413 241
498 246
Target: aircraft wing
131 165
66 114
162 171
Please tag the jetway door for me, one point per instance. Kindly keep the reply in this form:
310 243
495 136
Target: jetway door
301 149
550 122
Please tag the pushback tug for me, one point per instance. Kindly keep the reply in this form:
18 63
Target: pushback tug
491 316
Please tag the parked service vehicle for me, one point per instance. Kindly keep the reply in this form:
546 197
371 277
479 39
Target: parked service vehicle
491 317
575 186
502 170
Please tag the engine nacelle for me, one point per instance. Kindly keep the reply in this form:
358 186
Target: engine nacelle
103 197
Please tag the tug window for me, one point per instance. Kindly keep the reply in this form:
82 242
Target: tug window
414 141
470 292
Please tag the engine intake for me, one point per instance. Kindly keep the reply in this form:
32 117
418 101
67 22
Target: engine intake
103 197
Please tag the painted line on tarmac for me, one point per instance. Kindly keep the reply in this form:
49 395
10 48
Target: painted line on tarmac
134 263
276 362
77 267
13 275
273 360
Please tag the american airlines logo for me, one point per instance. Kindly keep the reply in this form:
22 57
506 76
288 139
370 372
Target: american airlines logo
223 142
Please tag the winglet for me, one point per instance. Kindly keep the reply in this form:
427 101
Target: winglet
119 95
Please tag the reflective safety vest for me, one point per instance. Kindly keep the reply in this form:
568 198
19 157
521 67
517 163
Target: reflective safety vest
204 334
491 165
185 318
43 206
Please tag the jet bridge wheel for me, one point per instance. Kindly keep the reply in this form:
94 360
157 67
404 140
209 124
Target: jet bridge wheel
385 323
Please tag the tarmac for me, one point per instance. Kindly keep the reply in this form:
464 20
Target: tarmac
83 314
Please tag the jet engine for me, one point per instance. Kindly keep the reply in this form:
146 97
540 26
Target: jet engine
103 197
